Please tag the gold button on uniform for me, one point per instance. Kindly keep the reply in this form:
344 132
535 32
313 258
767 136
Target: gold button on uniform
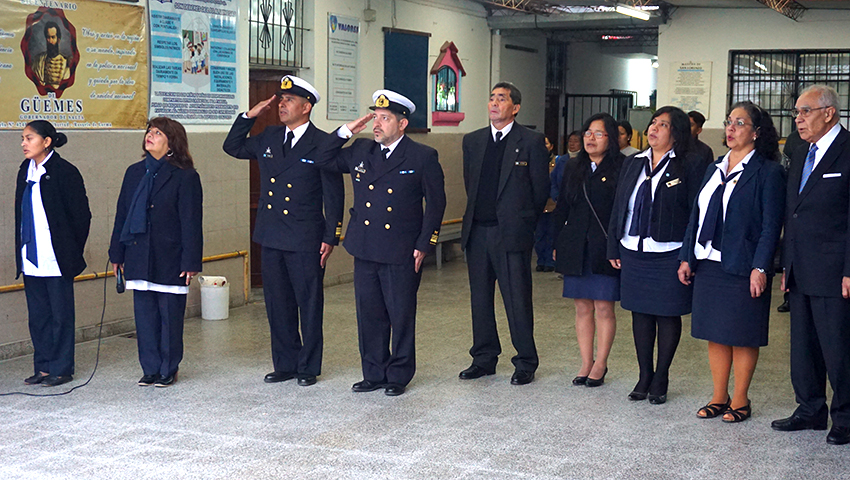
286 198
271 193
286 212
368 204
272 179
288 185
387 226
390 190
371 187
366 222
269 206
389 209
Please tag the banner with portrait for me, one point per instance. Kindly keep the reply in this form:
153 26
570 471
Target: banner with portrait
193 60
78 64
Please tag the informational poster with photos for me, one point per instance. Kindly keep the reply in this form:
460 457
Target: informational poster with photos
193 60
78 64
343 52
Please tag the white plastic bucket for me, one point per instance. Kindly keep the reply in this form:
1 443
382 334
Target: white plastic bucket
215 297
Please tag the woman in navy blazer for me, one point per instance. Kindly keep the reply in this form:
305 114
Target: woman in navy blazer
653 202
728 254
158 242
52 220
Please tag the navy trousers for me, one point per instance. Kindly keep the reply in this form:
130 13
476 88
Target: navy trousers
820 335
159 331
544 241
488 261
50 304
385 295
293 285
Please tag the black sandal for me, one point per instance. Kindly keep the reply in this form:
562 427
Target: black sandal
713 410
738 414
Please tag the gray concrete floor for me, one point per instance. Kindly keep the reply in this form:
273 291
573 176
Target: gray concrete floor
220 421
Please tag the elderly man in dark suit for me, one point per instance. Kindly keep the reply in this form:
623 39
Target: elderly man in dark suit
817 266
388 234
506 174
296 237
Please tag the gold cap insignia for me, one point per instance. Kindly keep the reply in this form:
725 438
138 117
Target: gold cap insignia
286 83
382 102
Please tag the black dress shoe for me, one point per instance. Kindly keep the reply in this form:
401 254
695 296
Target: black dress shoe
522 377
36 379
367 386
306 380
657 399
275 377
597 382
167 381
795 423
548 269
838 436
579 381
147 380
393 390
475 372
56 380
784 308
636 396
541 268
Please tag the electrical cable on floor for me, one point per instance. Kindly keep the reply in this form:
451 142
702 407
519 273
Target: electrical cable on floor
96 359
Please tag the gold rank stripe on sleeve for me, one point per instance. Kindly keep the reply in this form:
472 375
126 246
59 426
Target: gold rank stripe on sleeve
338 230
434 237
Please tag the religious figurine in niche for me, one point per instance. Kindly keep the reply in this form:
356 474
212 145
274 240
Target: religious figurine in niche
49 46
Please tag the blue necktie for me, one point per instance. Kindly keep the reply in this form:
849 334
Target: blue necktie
643 200
712 225
28 224
808 166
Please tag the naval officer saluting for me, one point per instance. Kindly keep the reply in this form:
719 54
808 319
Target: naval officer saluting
388 234
296 237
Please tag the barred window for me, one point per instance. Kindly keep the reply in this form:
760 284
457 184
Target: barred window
276 33
773 79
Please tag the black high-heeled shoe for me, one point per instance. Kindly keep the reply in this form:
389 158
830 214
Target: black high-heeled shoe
596 382
636 396
657 399
579 381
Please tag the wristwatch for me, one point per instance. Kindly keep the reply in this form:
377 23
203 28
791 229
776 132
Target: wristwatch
760 270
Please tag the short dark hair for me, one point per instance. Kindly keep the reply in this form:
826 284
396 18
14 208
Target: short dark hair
767 139
627 127
516 95
698 118
52 24
573 184
680 128
178 144
577 133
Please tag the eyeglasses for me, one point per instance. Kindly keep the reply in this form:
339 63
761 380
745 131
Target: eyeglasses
805 111
735 123
589 134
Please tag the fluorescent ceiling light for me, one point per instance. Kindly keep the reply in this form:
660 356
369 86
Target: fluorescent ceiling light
624 10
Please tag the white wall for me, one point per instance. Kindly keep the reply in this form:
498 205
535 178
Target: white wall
527 71
591 69
701 34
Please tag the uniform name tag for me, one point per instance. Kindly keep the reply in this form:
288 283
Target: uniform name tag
521 164
831 175
406 172
307 160
674 182
360 168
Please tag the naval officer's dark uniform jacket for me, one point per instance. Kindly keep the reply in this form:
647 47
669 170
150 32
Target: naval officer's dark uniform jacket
291 226
387 224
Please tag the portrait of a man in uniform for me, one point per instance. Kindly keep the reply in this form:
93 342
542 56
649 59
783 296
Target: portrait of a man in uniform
49 46
50 66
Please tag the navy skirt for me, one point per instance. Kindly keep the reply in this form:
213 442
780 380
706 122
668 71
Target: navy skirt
592 286
724 311
649 283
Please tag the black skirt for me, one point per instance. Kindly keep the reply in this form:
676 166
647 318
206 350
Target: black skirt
724 311
649 283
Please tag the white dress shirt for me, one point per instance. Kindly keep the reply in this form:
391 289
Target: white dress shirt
47 264
505 130
824 143
708 252
649 245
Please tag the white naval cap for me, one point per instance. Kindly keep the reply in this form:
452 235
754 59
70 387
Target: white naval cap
392 101
298 86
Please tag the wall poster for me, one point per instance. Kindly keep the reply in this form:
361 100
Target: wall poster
193 60
343 51
77 64
691 86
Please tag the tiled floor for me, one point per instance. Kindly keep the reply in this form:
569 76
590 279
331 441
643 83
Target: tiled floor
220 421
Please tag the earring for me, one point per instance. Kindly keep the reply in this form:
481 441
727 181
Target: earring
170 153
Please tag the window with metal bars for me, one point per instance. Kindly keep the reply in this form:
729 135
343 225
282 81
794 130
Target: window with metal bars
276 33
773 79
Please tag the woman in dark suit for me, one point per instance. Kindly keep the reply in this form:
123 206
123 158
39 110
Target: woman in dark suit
158 241
52 220
728 252
581 216
654 197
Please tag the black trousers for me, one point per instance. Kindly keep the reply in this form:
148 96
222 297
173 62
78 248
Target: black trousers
488 261
293 284
159 330
385 295
820 348
50 304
